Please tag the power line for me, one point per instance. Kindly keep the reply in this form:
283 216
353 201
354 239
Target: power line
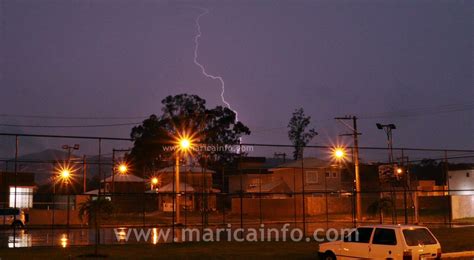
68 126
72 117
423 111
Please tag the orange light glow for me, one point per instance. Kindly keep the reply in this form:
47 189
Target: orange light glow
154 181
123 168
184 142
64 173
339 153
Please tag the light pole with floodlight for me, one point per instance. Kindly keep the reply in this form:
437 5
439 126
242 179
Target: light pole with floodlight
339 154
184 144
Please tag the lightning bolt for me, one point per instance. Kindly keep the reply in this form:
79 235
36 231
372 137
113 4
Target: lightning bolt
203 69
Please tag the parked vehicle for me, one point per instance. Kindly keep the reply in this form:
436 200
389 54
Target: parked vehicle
13 217
384 242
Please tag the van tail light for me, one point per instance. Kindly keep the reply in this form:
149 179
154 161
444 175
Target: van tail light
407 255
438 253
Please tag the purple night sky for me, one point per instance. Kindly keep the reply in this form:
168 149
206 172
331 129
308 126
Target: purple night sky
383 59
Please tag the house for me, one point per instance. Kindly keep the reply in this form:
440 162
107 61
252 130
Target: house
279 191
16 190
127 193
461 186
461 182
309 175
196 192
251 174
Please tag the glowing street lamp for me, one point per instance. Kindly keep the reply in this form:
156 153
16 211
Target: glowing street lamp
339 153
184 145
123 168
65 174
154 182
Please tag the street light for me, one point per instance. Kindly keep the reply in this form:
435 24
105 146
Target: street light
388 131
185 143
154 182
122 168
64 175
69 148
339 153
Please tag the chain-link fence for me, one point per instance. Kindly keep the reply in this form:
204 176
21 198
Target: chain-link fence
57 197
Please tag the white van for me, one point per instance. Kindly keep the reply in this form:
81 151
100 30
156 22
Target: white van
384 242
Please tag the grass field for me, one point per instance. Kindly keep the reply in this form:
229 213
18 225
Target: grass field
452 240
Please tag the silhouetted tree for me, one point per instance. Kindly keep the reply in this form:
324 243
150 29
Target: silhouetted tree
297 133
96 210
185 115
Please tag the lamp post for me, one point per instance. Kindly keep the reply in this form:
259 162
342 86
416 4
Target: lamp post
69 148
154 182
122 167
340 154
64 176
184 144
66 173
388 131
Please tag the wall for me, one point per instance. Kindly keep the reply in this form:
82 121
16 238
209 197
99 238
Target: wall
462 206
437 203
288 207
45 217
462 181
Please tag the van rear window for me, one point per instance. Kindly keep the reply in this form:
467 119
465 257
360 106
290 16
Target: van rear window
418 236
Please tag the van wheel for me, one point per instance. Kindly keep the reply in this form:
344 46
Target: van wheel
17 224
329 256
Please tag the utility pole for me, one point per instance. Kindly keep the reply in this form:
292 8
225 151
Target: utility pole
387 128
406 181
84 173
355 134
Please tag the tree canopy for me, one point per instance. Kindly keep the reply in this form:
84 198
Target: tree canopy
185 115
298 134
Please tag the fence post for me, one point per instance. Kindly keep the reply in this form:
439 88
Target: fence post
241 192
173 197
303 195
326 198
294 197
446 169
260 194
224 198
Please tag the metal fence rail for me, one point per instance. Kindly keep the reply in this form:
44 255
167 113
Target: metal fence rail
262 188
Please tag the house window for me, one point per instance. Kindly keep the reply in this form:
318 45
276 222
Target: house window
24 197
311 177
467 174
331 174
